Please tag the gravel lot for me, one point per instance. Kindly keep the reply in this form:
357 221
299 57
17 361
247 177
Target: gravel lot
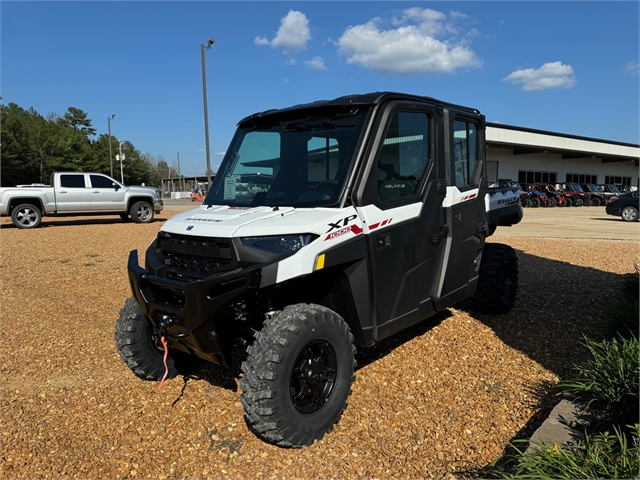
438 400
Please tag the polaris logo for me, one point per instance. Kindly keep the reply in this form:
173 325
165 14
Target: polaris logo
508 201
195 219
189 228
397 185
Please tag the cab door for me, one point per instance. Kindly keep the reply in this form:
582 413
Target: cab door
401 214
104 196
464 207
72 194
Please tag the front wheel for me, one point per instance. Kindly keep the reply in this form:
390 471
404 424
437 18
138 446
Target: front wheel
534 202
497 280
26 216
629 214
141 212
567 202
595 202
298 375
137 345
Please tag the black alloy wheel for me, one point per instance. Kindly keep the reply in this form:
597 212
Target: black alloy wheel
313 376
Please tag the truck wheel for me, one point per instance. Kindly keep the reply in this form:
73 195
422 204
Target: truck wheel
629 214
26 216
497 280
595 202
298 375
141 212
567 202
137 346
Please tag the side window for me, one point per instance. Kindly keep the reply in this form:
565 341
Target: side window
404 155
465 152
72 181
98 181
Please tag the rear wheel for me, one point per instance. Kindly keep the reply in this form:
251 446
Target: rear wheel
141 212
567 202
298 375
629 214
26 216
595 202
578 202
497 280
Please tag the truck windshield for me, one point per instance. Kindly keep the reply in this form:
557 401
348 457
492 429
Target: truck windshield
299 162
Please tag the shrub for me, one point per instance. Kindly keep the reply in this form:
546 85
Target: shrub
603 456
608 380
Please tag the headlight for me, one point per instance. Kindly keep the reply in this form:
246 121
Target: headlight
279 243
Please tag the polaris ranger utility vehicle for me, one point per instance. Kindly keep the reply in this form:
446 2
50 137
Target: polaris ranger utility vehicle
328 225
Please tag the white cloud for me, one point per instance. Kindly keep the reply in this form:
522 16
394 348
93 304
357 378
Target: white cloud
219 154
316 63
632 68
549 75
410 48
293 34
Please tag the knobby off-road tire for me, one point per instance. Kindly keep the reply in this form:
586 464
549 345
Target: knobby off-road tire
629 214
567 202
141 212
137 348
595 202
497 280
298 375
534 202
26 215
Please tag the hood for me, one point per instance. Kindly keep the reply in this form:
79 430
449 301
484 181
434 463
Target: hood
227 222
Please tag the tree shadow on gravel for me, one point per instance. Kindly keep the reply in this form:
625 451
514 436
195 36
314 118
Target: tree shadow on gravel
557 305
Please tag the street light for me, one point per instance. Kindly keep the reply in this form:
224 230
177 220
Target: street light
110 157
206 115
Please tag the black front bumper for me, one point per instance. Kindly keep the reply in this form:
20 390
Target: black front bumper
202 307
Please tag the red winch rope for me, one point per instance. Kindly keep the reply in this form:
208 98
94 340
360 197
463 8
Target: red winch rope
166 369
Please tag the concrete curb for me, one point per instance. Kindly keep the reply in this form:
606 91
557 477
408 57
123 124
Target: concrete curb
566 424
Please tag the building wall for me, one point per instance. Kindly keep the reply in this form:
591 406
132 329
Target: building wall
509 165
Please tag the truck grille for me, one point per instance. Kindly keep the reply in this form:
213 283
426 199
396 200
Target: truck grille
190 258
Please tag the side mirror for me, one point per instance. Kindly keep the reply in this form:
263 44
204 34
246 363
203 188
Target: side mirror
115 185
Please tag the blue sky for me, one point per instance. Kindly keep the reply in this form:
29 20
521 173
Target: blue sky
569 67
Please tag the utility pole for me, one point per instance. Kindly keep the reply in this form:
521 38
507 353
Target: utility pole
179 176
121 158
110 157
206 114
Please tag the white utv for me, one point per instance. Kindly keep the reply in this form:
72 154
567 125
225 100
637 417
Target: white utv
329 225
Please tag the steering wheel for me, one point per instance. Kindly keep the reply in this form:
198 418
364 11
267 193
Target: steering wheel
326 185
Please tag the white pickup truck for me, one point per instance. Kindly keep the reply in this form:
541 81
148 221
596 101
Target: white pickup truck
79 193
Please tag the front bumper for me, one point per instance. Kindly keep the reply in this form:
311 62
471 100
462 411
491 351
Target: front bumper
201 307
613 210
158 205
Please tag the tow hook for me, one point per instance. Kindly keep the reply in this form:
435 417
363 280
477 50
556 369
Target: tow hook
166 321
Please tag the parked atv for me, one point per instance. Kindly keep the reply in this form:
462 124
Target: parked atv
597 197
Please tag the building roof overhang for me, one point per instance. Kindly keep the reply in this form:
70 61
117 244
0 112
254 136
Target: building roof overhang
525 141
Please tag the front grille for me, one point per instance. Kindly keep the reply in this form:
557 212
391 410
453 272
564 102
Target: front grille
190 258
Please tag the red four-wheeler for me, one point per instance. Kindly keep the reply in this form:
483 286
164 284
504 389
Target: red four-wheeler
329 225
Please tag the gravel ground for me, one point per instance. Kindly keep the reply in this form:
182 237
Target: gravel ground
438 400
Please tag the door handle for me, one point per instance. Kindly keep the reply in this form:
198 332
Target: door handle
437 239
383 241
62 191
95 191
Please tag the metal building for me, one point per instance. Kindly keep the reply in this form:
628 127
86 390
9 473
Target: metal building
527 156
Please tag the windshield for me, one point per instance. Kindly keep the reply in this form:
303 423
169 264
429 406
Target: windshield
575 187
593 188
614 189
294 161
